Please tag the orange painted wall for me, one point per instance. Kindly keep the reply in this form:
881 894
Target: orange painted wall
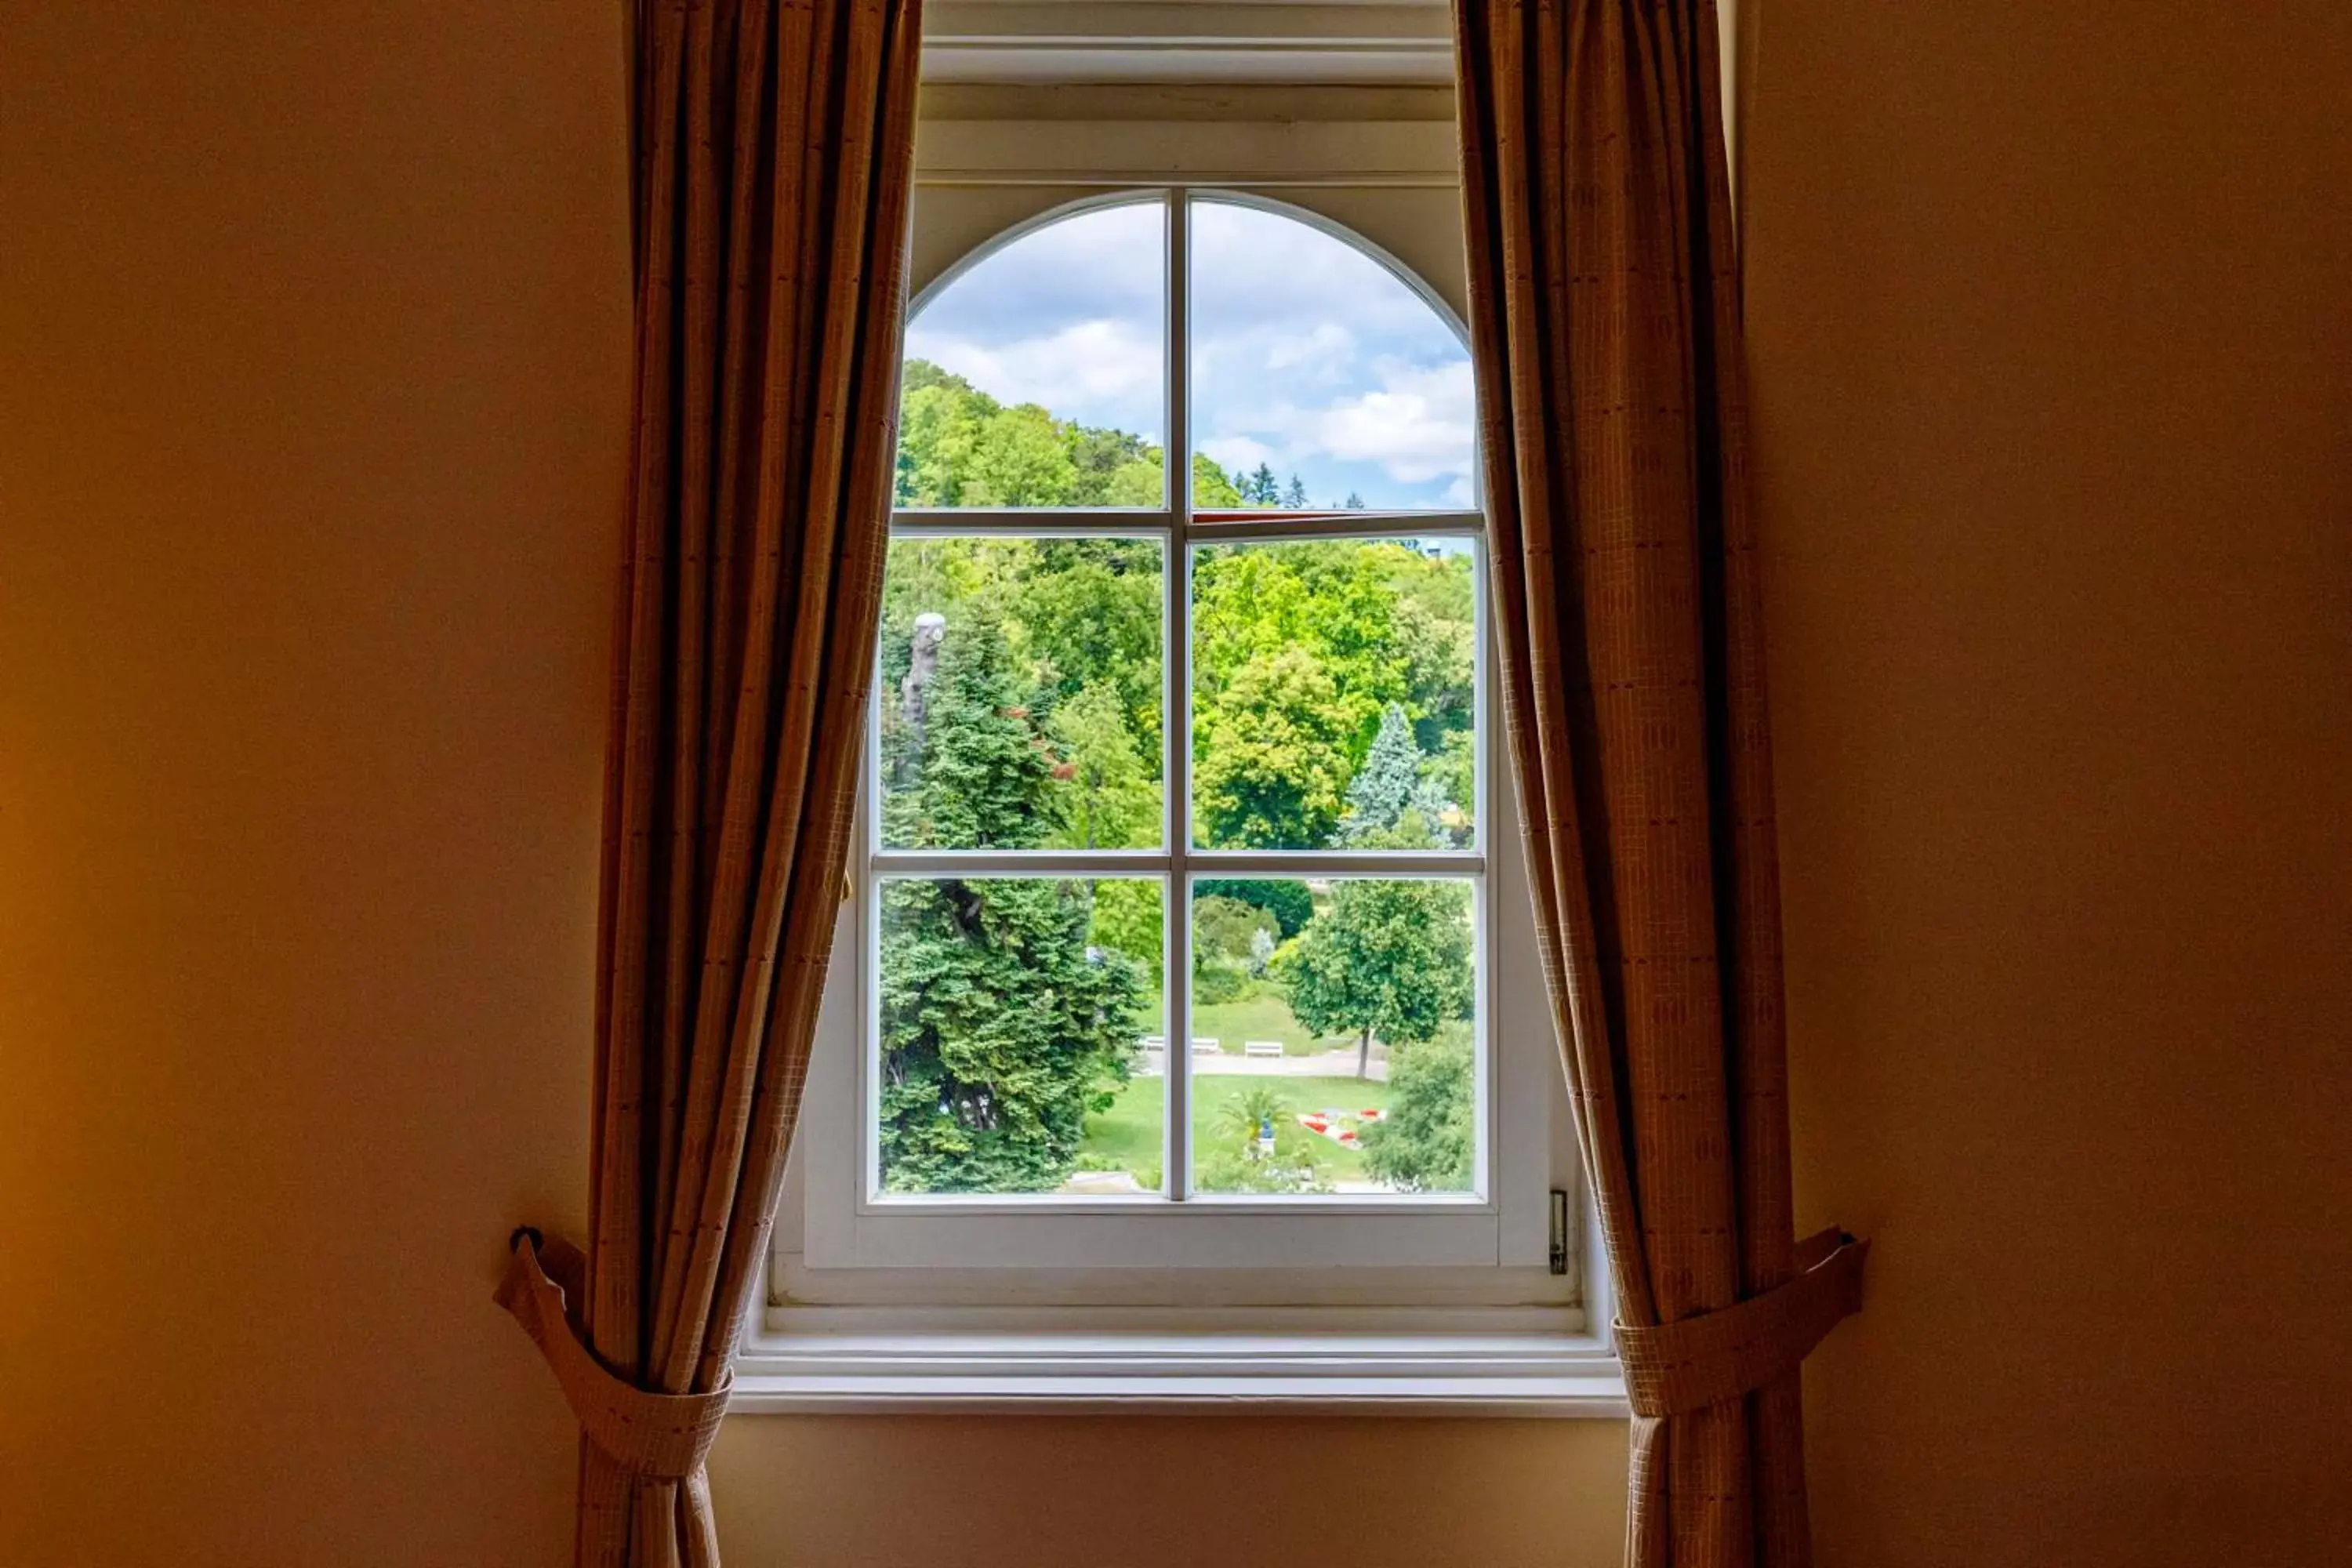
2051 317
313 368
313 335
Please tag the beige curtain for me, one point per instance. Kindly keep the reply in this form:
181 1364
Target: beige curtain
774 174
1605 329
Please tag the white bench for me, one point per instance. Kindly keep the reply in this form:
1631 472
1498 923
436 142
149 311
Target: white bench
1261 1048
1207 1046
1153 1042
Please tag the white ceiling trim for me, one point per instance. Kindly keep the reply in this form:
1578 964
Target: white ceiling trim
1106 154
1366 42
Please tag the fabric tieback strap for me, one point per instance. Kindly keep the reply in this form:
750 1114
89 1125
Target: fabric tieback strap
661 1436
1671 1368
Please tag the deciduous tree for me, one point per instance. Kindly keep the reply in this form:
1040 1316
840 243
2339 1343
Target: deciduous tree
1428 1139
1390 961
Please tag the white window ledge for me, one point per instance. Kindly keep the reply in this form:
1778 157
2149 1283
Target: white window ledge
1096 1373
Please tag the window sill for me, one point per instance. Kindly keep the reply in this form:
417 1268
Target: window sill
853 1372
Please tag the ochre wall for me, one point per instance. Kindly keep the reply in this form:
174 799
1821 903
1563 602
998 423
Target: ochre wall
314 351
2051 320
313 338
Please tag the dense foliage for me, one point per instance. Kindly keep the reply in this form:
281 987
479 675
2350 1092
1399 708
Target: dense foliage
1428 1140
1256 1145
1003 1023
1299 652
960 447
1020 707
1389 961
1290 904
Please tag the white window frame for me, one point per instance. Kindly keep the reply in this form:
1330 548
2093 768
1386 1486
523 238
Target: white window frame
1415 1302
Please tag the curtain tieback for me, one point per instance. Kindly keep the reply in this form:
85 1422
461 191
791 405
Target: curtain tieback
1717 1356
661 1436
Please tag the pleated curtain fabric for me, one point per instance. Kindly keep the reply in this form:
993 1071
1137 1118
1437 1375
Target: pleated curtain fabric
1606 333
774 168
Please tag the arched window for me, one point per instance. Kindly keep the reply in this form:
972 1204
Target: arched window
1175 867
1177 969
1318 375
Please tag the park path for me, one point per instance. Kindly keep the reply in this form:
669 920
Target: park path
1324 1064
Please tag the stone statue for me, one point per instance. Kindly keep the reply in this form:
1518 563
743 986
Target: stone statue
914 705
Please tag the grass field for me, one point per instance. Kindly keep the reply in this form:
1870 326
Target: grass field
1126 1136
1265 1017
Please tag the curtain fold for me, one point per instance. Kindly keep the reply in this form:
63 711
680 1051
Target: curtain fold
1606 335
773 175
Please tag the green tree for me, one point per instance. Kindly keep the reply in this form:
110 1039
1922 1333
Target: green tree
1235 1157
1429 1139
1452 775
960 447
938 426
1104 461
1131 918
1223 927
1021 459
973 773
1389 961
1105 797
1290 904
1225 954
1004 1021
1295 495
1002 1028
1089 610
1384 787
1343 603
1213 488
1139 483
1270 754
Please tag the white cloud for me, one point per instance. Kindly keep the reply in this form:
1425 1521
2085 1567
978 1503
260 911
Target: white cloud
1309 356
1417 424
1108 371
1325 347
1237 454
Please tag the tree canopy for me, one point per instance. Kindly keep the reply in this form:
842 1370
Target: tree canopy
1428 1141
1020 702
1004 1021
1390 961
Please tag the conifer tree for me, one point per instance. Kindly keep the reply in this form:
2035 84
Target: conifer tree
1386 786
1002 1025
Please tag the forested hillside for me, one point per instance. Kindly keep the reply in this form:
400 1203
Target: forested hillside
1021 707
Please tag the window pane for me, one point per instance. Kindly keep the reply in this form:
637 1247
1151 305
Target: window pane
1020 1035
1334 695
1334 1037
1020 691
1036 375
1321 380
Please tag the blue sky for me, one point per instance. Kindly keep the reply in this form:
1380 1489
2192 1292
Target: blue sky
1308 355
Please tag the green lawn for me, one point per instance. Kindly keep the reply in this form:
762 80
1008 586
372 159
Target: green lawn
1126 1136
1266 1017
1263 1018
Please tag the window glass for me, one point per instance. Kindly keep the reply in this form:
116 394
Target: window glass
1322 1037
1333 1047
1333 687
1321 380
1021 693
1036 377
1020 1035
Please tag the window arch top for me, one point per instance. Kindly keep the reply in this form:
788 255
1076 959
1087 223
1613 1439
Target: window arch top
1316 375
